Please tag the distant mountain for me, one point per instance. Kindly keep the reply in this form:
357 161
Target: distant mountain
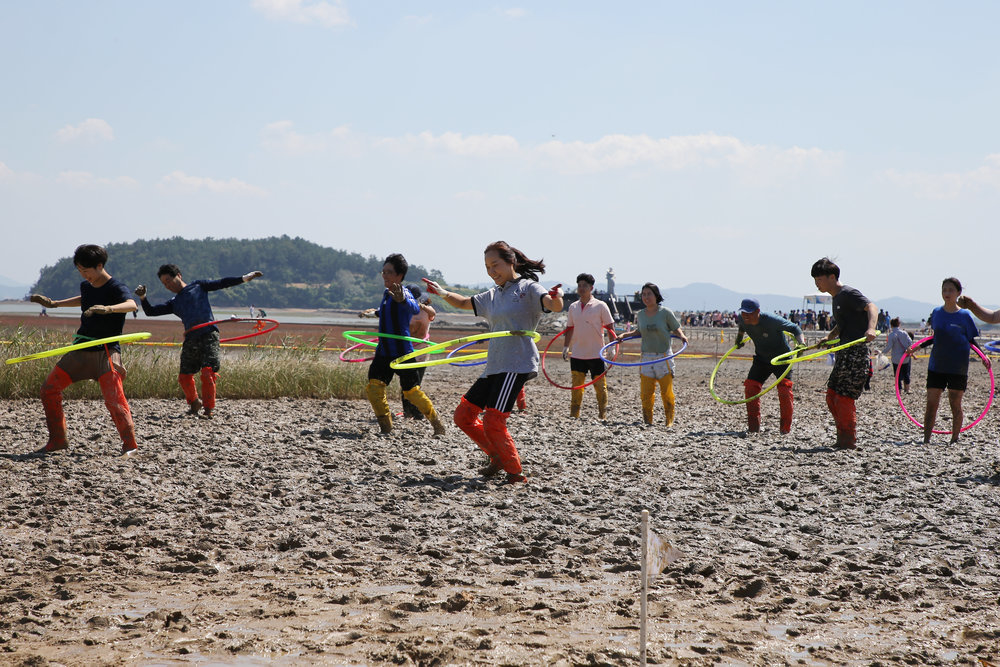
297 273
11 289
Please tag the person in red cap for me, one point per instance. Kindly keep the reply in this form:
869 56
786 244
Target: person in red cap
769 340
855 317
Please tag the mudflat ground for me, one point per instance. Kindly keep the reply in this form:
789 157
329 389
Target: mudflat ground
291 532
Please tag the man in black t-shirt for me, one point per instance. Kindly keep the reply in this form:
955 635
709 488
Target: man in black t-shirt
854 317
104 302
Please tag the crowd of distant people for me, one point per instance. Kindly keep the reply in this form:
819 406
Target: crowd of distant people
806 319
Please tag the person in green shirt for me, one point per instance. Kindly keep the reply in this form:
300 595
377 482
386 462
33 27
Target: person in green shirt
769 340
655 324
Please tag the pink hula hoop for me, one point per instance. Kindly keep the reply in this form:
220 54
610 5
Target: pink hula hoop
356 346
978 419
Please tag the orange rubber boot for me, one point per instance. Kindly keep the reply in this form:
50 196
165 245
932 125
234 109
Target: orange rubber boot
786 404
467 419
208 388
55 419
121 413
495 427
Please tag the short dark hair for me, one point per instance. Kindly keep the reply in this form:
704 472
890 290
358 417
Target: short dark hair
171 270
825 267
414 290
655 290
398 262
587 278
894 322
89 256
954 281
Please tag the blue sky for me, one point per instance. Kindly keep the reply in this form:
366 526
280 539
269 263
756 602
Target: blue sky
725 142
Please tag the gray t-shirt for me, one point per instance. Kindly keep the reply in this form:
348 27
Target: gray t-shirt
515 306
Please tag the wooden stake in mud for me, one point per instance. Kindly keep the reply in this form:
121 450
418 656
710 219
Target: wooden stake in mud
643 564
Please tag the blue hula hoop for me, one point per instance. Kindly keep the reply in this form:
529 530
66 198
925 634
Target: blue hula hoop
638 363
993 346
462 347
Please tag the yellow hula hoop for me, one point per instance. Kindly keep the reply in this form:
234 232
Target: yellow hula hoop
711 381
403 362
785 359
124 338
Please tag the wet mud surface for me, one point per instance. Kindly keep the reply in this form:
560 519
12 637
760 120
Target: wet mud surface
290 532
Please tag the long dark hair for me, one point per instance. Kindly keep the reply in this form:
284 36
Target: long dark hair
655 290
527 268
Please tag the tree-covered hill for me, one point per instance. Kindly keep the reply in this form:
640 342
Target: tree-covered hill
297 273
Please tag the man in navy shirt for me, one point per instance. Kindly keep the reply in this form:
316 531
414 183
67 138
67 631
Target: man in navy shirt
201 345
394 314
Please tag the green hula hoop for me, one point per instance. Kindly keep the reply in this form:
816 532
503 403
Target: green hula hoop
353 337
403 362
711 381
786 358
124 338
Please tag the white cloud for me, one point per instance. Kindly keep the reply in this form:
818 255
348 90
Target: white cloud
454 143
91 130
950 185
753 163
327 14
181 182
515 13
5 172
281 137
470 195
620 151
85 179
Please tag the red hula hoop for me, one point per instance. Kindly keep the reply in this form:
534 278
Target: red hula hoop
582 386
238 319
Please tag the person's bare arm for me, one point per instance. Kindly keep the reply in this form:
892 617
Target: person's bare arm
451 298
985 314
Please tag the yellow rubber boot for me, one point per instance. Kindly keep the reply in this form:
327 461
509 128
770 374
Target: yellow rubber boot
576 396
380 404
601 389
667 393
647 392
419 399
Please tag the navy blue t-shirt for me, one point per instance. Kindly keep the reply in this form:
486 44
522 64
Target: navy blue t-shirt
394 318
953 334
191 304
110 293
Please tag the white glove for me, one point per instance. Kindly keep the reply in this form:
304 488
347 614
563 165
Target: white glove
247 277
565 354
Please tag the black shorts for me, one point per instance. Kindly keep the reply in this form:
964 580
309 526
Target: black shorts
497 391
380 370
593 366
199 352
954 381
761 369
